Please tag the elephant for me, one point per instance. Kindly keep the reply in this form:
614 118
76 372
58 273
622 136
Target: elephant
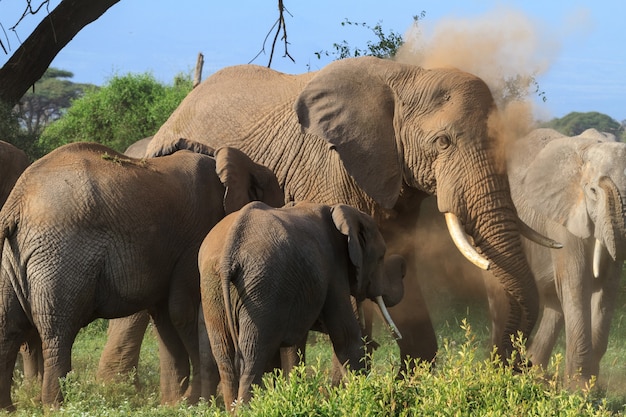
572 189
13 162
268 275
88 232
380 136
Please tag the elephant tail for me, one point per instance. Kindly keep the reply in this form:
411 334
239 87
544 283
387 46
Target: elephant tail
8 224
226 274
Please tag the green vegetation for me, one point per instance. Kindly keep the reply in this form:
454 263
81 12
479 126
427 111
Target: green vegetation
467 381
126 109
575 123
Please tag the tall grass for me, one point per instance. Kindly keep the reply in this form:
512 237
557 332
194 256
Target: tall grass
466 381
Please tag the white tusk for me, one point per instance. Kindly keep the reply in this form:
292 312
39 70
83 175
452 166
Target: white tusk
534 236
597 258
463 245
385 312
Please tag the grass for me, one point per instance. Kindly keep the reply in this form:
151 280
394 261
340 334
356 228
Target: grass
466 381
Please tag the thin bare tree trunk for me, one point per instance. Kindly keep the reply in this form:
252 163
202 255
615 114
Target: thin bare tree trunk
197 79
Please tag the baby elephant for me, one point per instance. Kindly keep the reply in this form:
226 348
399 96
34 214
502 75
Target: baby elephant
269 275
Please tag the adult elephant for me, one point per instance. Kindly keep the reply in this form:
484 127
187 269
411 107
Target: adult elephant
572 189
88 232
377 135
13 161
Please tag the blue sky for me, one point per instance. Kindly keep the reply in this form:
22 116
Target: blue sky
577 49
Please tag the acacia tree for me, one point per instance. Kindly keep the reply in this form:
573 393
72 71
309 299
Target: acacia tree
56 30
34 55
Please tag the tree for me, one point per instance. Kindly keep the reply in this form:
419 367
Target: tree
47 101
126 109
32 58
575 123
385 46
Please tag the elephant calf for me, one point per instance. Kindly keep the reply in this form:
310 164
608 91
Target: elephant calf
269 275
88 232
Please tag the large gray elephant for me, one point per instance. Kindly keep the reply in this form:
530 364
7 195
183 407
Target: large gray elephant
268 275
379 136
572 189
88 232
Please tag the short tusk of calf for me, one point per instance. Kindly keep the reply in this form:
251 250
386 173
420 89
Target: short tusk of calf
597 258
534 236
457 233
387 317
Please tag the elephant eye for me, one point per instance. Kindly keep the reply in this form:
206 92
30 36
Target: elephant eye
443 142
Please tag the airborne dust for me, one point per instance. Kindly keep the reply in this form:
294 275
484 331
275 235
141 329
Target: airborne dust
508 50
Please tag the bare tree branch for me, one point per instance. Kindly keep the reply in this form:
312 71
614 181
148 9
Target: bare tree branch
280 25
33 57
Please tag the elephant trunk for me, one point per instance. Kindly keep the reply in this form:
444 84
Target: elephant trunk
495 229
611 225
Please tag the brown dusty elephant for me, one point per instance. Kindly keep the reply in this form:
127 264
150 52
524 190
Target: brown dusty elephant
88 232
379 136
268 275
119 357
13 161
571 189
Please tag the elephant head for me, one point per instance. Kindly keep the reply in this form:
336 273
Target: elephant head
366 250
583 179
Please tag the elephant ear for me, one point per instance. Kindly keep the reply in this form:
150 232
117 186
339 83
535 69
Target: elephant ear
347 221
552 185
351 106
245 181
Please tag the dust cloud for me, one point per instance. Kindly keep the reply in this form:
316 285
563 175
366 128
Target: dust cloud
504 47
508 50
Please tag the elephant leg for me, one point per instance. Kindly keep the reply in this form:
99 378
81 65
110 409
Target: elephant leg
544 339
414 323
120 355
173 358
293 355
573 285
258 348
14 328
32 358
57 337
209 373
603 302
184 306
223 352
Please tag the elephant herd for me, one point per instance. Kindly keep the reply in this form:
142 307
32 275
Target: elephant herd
271 204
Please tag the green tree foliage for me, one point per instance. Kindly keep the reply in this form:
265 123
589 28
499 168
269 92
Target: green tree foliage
385 45
47 100
575 123
124 110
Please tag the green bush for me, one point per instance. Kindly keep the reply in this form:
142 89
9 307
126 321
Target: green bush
126 109
467 381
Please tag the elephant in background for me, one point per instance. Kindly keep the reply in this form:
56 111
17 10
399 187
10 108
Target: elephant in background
268 275
572 189
13 161
88 232
380 136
